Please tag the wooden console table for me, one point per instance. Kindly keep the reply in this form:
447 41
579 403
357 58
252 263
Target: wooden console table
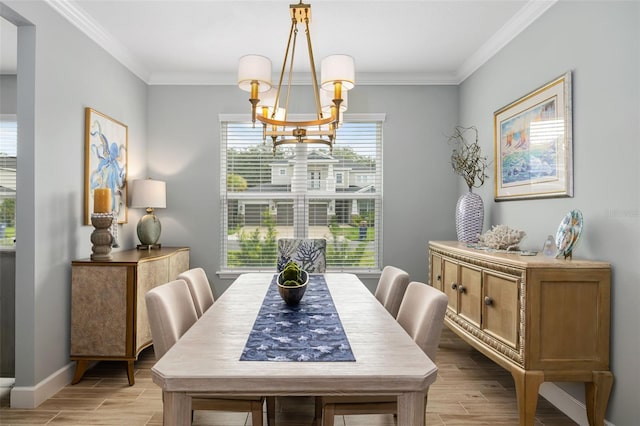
543 319
108 311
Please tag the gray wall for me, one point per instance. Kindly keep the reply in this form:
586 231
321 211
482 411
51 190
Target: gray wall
8 95
174 135
60 72
600 43
419 186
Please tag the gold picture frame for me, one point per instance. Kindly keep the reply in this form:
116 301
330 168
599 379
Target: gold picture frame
533 144
106 162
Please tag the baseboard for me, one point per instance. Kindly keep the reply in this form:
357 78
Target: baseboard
566 403
32 396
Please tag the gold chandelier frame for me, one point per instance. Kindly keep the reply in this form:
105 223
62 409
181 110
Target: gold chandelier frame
254 76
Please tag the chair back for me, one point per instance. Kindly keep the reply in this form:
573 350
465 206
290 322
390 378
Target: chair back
421 314
199 288
171 313
391 287
309 253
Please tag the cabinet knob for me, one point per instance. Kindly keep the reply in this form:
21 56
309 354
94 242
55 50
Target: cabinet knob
454 286
462 289
488 301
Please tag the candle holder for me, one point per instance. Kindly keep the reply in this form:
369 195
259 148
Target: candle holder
101 237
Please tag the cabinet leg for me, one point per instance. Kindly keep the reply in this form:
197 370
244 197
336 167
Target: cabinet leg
597 396
132 380
527 386
81 368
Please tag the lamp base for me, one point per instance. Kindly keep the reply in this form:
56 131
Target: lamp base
149 246
149 229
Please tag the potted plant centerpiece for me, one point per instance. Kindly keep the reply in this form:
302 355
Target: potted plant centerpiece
292 283
468 162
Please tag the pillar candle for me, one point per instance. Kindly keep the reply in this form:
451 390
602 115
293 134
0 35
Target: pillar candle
102 200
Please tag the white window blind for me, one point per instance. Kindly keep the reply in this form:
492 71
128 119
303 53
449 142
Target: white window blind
261 204
8 168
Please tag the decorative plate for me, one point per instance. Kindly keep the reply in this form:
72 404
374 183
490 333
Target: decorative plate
568 233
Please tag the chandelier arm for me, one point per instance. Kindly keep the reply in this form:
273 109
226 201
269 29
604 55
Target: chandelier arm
316 92
285 123
293 55
284 67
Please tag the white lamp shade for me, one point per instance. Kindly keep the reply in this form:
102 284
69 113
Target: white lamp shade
148 193
254 68
268 98
326 100
336 68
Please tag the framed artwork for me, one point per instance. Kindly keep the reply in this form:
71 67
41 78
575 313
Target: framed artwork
533 144
106 154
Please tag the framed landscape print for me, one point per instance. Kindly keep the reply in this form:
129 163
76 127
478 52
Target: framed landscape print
106 154
533 144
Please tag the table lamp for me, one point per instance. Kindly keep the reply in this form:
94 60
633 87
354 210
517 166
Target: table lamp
150 194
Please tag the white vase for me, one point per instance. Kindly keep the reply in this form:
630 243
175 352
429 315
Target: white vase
469 217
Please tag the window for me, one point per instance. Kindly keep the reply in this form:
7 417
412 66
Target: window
8 167
260 204
314 180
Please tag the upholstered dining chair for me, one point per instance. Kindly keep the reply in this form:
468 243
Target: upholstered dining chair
309 253
200 289
421 314
171 313
391 287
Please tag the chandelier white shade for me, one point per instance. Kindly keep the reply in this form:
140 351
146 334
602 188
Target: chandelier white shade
338 69
254 68
326 101
338 76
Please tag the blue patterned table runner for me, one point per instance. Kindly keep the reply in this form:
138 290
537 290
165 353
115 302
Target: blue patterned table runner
311 331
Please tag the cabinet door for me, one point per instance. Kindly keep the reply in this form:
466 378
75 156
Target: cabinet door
99 296
470 293
450 283
436 271
501 311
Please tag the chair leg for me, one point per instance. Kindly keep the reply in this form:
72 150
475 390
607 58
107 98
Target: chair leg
271 411
256 414
328 414
317 418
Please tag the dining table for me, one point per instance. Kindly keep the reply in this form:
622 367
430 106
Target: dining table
209 359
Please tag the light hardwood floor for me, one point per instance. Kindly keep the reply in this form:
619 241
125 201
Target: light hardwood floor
470 390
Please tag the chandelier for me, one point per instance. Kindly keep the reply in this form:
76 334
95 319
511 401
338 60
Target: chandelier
337 77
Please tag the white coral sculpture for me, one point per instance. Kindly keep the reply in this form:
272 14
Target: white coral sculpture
501 237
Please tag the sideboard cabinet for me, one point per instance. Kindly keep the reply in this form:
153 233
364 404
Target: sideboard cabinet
543 319
108 311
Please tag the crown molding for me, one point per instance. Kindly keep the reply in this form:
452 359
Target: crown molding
304 79
532 10
98 34
521 20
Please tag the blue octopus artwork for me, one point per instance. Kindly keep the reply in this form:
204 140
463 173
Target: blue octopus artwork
110 170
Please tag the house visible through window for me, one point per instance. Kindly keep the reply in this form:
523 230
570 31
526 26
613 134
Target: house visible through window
8 168
302 191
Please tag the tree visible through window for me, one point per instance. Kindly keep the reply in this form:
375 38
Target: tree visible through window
8 168
312 199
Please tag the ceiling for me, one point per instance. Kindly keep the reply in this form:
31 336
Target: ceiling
392 41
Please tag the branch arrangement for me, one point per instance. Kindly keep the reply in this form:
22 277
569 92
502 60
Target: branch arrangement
466 158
